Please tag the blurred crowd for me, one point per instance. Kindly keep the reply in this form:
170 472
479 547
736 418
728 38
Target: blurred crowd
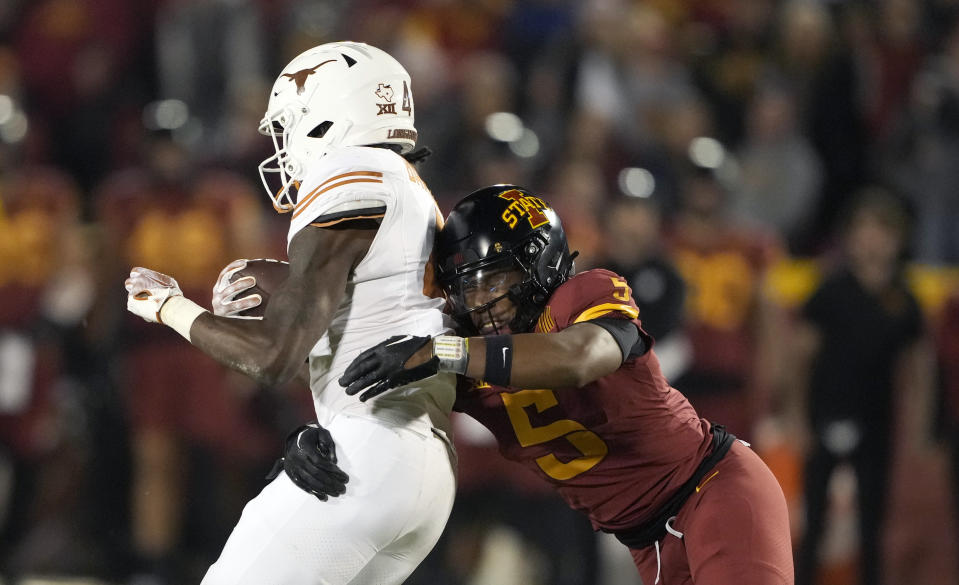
775 179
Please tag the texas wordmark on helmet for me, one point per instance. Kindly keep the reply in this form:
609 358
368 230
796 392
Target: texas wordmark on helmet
333 95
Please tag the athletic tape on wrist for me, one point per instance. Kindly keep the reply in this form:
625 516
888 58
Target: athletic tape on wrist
453 352
499 359
179 313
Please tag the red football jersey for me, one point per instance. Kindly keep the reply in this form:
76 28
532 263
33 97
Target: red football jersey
723 276
617 448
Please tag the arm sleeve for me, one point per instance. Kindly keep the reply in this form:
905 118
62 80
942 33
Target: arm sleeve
626 334
601 297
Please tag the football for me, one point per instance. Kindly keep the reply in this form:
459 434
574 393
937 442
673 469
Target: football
269 274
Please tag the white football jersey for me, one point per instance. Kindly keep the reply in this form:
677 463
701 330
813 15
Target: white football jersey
390 292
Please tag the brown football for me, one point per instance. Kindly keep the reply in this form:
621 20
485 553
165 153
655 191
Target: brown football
269 275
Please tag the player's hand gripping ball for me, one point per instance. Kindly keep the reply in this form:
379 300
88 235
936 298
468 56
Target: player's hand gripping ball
147 290
244 287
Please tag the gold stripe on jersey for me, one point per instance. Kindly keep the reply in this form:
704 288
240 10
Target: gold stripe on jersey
546 322
604 309
326 186
342 219
349 174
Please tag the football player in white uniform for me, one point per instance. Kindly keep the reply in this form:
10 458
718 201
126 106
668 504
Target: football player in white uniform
362 227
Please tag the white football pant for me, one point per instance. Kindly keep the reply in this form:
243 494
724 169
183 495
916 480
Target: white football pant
399 496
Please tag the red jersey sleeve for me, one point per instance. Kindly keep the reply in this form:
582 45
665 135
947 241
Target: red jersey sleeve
586 296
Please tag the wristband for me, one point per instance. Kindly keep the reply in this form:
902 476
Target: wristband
453 353
179 313
499 359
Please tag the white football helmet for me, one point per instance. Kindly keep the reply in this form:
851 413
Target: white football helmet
333 95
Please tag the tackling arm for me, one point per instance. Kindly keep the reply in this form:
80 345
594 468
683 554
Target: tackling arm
569 358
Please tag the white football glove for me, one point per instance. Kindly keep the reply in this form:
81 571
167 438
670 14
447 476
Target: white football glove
147 290
224 292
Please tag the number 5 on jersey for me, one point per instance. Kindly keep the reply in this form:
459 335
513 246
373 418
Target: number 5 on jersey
588 443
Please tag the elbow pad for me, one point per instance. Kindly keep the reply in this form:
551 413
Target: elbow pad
631 342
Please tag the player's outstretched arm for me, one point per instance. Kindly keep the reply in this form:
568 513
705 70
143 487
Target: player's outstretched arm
272 350
570 358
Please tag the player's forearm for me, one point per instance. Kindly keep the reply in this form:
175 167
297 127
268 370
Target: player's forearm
248 346
569 359
271 351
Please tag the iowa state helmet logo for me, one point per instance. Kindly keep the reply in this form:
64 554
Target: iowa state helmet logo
523 205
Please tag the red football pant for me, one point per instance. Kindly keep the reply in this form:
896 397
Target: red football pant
735 530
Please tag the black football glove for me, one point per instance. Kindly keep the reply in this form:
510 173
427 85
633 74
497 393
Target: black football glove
310 462
382 367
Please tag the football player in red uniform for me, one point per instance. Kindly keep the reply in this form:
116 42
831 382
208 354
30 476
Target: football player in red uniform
559 368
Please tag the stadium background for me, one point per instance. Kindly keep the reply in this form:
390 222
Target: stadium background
128 136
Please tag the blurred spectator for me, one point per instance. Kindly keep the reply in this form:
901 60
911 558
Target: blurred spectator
920 157
534 28
654 76
461 27
728 52
82 66
589 139
540 38
211 56
681 123
598 86
810 57
859 349
191 419
734 327
579 192
465 145
780 173
46 524
631 76
891 53
635 250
